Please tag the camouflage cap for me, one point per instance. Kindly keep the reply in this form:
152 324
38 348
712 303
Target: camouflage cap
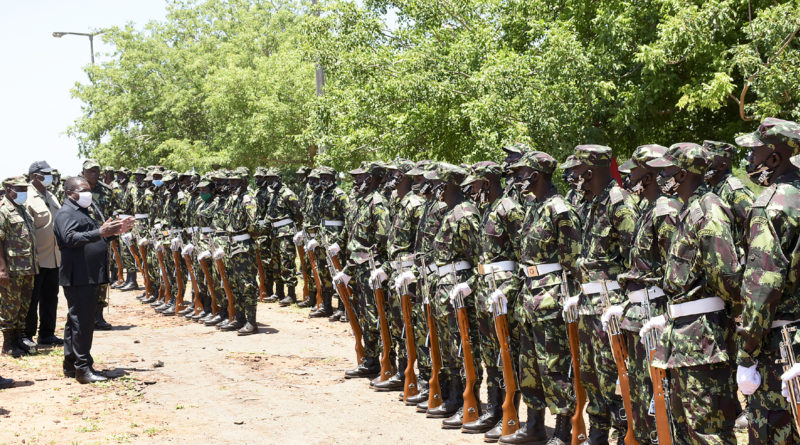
362 169
405 165
124 171
721 149
390 166
260 171
451 173
15 181
186 174
773 132
376 168
108 169
243 171
314 174
516 147
570 162
218 175
642 155
204 182
537 160
272 172
685 155
169 176
432 172
325 170
303 170
482 171
90 163
416 171
140 171
593 155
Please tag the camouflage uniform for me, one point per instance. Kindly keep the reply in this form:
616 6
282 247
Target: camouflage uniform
261 195
101 209
123 205
770 286
610 220
330 206
206 211
306 198
16 232
281 216
698 348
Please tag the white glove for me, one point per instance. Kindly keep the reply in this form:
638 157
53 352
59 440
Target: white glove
376 278
298 238
787 376
654 323
175 244
615 310
312 244
127 238
144 242
187 249
219 254
570 303
203 255
498 298
404 279
157 226
342 277
748 379
462 289
333 249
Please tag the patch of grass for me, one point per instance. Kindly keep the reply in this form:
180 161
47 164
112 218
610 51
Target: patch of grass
179 407
90 427
121 437
152 431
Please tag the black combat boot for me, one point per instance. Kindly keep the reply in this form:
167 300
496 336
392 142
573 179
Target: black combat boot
422 386
25 343
562 434
130 282
453 399
211 319
368 368
100 324
9 345
169 309
283 299
530 432
249 328
494 434
597 435
397 381
6 383
237 323
455 421
274 297
112 280
490 417
267 291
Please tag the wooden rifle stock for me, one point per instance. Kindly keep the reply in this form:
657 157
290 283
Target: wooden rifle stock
410 383
198 305
176 258
262 278
578 424
145 269
301 252
162 265
434 387
386 339
663 427
223 275
210 284
346 295
470 401
118 261
136 259
312 258
510 415
620 357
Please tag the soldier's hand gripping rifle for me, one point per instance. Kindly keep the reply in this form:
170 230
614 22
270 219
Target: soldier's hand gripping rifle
410 387
500 309
176 245
571 319
380 300
166 289
434 386
299 241
659 379
312 258
457 294
219 255
620 352
790 384
335 268
203 258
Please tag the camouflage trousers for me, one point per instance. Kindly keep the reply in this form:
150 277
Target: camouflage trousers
394 314
263 247
366 310
280 261
450 343
768 411
419 318
324 275
544 365
704 404
242 274
172 269
641 388
489 344
599 374
14 302
305 267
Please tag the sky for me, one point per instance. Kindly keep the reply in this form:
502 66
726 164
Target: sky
39 70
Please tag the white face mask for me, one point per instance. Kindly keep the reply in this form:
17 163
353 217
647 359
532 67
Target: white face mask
84 199
48 179
21 198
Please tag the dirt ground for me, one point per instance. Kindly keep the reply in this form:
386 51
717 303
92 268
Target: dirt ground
180 382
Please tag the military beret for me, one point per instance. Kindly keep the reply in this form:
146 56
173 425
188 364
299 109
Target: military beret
124 170
303 171
15 181
721 149
451 173
140 171
260 171
641 155
688 156
40 167
90 163
593 155
325 170
773 132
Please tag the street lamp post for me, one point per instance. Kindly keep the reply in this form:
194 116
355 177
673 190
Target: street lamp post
90 35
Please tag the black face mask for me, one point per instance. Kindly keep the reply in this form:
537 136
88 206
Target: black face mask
668 184
760 174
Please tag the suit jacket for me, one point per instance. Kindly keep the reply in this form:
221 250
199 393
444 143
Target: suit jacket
84 253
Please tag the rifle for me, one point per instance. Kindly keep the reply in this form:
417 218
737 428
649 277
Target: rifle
470 412
410 383
176 258
659 378
312 258
620 353
788 360
571 318
386 340
500 309
334 267
262 277
301 253
166 289
136 260
118 260
145 269
223 275
192 276
434 387
209 283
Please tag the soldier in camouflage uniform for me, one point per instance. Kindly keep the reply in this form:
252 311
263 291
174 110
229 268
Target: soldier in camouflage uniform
306 197
55 188
206 212
552 245
261 195
18 265
122 199
218 243
109 176
190 201
171 218
142 208
770 279
701 280
642 282
456 251
609 218
101 209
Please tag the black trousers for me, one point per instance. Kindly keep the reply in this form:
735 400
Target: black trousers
44 303
79 330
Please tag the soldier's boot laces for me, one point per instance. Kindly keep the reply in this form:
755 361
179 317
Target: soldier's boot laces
490 417
530 432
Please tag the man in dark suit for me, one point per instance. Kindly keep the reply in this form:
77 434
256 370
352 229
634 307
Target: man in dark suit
83 242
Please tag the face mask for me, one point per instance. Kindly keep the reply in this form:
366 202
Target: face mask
709 175
362 187
84 199
21 198
48 179
579 185
158 182
760 172
668 185
205 197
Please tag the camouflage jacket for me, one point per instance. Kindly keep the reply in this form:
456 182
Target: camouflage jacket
771 283
16 231
458 239
370 231
553 236
403 235
429 224
281 204
330 205
143 200
238 218
739 199
609 224
122 199
654 232
102 200
701 263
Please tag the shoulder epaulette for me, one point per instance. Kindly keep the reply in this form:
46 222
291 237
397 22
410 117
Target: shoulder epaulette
735 183
458 212
616 195
696 214
559 206
506 204
663 208
766 196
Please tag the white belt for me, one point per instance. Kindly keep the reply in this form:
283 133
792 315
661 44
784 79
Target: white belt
782 323
243 237
596 287
448 268
497 266
206 229
702 306
141 215
281 223
400 265
637 296
540 269
123 216
333 222
432 269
